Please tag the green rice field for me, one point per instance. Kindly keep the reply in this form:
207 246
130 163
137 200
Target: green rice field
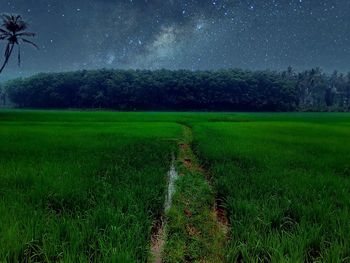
285 187
91 186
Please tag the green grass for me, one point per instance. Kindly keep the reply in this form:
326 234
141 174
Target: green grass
89 186
79 192
284 184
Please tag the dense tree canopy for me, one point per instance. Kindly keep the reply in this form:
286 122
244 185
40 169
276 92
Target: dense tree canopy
182 90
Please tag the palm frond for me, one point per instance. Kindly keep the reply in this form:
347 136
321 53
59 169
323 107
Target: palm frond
21 25
30 42
19 56
7 50
3 36
4 31
17 17
27 34
6 17
14 23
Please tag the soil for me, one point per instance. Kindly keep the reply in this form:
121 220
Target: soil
158 240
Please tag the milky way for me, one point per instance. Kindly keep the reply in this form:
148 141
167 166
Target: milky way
174 34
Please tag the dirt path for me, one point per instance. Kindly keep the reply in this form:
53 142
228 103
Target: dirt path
157 243
196 225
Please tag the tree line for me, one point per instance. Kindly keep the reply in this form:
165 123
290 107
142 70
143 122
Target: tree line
183 90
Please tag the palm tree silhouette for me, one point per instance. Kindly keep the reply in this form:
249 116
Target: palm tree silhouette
13 30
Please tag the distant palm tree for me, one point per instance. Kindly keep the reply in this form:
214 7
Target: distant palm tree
13 31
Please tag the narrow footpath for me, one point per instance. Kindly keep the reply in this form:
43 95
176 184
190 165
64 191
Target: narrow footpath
195 230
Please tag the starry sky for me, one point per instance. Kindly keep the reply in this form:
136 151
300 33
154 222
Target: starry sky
183 34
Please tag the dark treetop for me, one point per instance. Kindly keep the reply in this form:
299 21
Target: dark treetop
223 90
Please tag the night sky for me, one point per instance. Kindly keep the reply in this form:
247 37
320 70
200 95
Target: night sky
174 34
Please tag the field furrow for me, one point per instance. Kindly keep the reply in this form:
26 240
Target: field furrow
194 233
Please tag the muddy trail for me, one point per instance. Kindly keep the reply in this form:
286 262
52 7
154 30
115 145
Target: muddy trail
195 227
